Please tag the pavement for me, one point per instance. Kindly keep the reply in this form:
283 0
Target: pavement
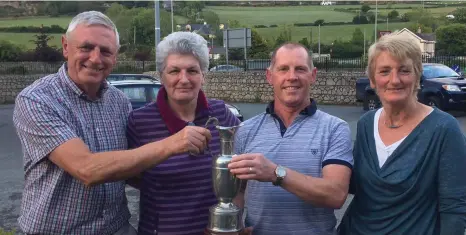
11 169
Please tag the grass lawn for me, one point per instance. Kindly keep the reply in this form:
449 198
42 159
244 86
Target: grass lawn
23 39
280 15
436 12
330 33
29 21
296 14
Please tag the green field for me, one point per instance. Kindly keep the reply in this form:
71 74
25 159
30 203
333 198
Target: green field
330 33
251 16
37 21
23 39
436 12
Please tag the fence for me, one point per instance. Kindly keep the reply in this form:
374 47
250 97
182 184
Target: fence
322 63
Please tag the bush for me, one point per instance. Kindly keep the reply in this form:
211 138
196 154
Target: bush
9 51
33 29
260 26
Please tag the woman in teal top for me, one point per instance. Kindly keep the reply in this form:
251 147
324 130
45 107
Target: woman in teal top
409 174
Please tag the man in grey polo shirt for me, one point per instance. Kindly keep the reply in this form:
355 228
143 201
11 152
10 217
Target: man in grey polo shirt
72 128
297 160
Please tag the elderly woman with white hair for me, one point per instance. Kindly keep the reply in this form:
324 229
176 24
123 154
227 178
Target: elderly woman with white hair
177 193
409 172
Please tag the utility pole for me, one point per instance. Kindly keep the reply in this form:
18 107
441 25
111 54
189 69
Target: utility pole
171 6
157 25
319 41
375 31
364 42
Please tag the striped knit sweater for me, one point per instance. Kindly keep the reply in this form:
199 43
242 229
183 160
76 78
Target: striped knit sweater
176 194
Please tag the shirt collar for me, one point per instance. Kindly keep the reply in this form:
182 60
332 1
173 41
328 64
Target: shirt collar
63 75
308 110
173 122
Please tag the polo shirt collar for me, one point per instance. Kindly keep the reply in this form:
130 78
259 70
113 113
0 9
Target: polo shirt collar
308 110
173 122
63 75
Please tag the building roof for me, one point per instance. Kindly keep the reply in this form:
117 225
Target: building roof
430 37
198 28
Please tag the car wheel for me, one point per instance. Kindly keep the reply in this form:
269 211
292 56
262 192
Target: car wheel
371 102
433 101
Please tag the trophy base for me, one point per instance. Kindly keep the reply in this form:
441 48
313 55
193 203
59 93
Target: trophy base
225 219
209 232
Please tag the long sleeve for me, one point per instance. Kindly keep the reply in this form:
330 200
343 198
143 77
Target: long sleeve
451 181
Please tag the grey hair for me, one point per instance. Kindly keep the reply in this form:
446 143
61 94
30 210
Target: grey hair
185 43
89 18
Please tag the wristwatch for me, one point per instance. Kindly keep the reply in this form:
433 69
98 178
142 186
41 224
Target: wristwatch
280 172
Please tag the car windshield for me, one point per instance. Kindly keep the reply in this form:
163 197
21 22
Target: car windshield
155 91
438 71
135 94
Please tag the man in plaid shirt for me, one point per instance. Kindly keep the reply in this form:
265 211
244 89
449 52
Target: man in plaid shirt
72 128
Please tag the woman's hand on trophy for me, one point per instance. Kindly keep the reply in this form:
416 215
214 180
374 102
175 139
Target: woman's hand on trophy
253 166
192 139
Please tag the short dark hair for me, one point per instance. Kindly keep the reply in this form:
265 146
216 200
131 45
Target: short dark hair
292 45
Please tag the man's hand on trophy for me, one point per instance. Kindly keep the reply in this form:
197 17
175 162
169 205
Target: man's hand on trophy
192 139
246 231
253 166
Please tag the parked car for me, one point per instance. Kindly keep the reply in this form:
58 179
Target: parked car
226 68
440 87
142 92
122 77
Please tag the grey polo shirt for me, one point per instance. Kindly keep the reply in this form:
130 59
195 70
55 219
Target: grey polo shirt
48 113
313 140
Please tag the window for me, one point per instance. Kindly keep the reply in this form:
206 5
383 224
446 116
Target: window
155 91
136 94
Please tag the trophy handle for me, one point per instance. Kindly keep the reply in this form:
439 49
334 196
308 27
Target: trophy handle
211 119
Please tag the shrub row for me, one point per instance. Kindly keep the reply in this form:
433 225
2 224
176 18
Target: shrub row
33 29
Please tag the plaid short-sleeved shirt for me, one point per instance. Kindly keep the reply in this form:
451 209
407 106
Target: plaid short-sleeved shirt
48 113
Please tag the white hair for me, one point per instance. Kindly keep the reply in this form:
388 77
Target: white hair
89 18
185 43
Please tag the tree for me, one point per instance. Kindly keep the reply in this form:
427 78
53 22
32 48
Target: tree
284 36
451 39
305 43
9 51
393 14
460 15
360 20
358 37
139 20
319 22
44 52
365 8
259 48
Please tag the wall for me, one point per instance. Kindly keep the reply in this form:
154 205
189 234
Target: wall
11 85
336 87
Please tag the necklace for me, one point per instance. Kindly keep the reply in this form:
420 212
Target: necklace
391 126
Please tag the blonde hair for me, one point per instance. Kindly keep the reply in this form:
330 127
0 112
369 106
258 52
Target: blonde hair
401 48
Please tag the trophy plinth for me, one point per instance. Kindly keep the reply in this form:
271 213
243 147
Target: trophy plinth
225 218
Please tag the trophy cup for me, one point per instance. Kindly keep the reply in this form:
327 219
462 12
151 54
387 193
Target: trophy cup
225 218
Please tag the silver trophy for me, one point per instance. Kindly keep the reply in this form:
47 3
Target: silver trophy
225 217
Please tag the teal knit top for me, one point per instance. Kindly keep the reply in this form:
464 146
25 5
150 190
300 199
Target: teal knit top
421 188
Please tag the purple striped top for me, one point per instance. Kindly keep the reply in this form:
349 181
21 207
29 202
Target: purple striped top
176 194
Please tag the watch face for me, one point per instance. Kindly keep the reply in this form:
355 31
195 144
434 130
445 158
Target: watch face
281 172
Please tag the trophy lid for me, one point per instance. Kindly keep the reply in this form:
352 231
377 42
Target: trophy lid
227 133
